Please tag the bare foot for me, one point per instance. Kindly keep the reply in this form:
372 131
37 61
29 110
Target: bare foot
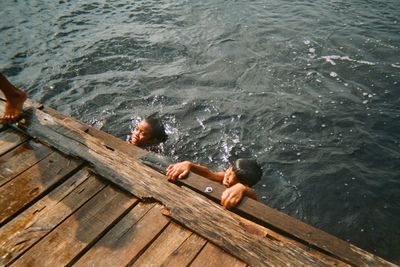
14 106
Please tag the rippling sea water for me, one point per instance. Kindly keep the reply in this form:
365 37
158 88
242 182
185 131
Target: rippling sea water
310 88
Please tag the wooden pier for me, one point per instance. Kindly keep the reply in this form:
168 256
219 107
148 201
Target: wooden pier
73 195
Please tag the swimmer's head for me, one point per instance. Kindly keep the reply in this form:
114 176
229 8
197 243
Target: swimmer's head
150 131
244 171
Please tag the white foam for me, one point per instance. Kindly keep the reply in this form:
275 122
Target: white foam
346 58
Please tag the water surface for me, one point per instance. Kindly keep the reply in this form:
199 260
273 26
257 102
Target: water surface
310 88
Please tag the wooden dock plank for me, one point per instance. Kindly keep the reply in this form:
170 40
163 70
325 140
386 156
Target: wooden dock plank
110 141
31 184
165 245
185 254
10 139
79 231
256 229
128 239
20 159
195 212
213 256
37 221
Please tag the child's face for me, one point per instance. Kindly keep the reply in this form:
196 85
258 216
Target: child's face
230 178
142 134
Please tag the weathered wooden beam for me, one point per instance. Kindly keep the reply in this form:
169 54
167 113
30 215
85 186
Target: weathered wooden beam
195 212
256 211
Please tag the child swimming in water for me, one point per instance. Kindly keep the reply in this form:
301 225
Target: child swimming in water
239 178
148 132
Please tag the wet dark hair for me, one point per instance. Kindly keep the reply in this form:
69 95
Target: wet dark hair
247 171
157 129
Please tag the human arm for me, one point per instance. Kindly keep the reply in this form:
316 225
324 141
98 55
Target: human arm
181 170
234 194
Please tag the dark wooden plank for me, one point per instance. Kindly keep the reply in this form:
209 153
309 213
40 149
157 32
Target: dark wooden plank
20 159
197 213
32 183
256 229
37 221
213 256
165 245
79 231
110 141
127 239
293 228
10 139
185 254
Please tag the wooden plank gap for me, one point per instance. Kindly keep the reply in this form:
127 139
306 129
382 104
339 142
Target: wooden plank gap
164 246
10 139
197 254
21 203
212 255
49 232
67 240
35 223
132 261
127 238
6 181
102 234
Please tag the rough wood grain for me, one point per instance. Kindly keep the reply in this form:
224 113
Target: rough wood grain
193 211
165 245
20 159
31 184
78 232
213 256
110 141
256 229
37 221
185 254
128 239
10 139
